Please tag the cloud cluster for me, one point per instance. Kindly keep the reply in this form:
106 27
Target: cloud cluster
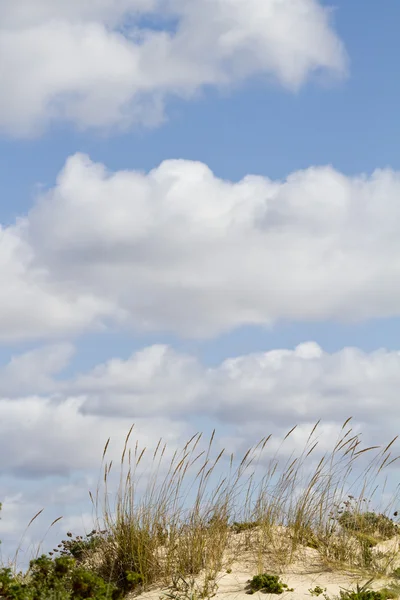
166 392
309 383
108 64
180 250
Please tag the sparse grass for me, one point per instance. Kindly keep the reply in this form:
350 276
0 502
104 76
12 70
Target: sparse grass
199 510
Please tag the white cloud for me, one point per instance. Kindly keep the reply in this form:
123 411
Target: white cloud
43 436
166 392
30 306
179 249
309 383
28 13
33 371
183 251
87 63
156 380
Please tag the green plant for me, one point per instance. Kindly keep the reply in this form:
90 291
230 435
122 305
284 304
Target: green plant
6 581
317 591
353 519
80 547
366 593
269 584
60 578
134 579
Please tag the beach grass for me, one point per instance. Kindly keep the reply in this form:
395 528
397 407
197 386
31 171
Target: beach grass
177 521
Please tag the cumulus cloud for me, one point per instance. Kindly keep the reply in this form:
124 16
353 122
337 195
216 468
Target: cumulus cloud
33 371
309 383
156 380
29 303
167 392
97 65
179 249
45 436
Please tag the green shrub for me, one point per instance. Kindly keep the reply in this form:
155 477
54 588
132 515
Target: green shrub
60 579
368 523
80 547
269 584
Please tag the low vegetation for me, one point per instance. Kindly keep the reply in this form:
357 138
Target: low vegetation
200 510
268 584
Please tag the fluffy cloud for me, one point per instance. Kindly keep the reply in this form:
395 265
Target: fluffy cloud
45 436
309 383
30 305
156 380
180 250
166 392
94 64
34 370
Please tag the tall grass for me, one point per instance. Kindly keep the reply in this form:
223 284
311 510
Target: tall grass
181 524
181 520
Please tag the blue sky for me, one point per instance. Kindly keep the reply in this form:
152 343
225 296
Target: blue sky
133 284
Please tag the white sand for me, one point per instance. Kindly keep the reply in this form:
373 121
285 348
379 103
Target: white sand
306 572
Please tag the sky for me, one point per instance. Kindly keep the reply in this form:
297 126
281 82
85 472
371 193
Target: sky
199 228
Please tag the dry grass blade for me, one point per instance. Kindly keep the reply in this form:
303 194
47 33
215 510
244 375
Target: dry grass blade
126 443
35 517
366 450
289 432
313 430
346 422
390 444
105 449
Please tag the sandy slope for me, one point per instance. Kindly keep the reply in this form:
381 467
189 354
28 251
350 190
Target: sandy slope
305 572
232 586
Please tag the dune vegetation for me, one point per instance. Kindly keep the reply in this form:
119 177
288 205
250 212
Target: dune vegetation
179 522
